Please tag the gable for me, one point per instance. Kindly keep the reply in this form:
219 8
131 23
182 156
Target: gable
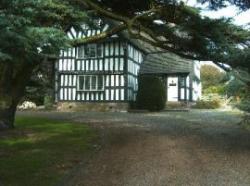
85 30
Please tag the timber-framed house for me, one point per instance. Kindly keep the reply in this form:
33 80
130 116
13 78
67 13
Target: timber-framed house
106 73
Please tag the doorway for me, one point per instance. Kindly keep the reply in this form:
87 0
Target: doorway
172 88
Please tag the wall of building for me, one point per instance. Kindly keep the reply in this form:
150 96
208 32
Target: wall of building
111 65
119 65
134 58
196 81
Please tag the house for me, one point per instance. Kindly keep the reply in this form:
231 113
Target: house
104 75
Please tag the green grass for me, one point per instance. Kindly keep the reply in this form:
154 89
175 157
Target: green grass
39 152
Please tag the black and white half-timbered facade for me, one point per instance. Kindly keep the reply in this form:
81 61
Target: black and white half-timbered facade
106 72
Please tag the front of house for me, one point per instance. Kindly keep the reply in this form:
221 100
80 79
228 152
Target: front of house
104 75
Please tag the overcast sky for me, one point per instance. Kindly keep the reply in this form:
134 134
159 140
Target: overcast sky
240 18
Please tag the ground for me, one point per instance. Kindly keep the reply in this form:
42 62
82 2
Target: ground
159 149
40 151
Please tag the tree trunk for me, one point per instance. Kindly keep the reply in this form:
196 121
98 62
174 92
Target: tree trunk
13 80
7 116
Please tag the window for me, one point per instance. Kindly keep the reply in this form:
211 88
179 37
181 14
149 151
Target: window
182 81
90 51
91 83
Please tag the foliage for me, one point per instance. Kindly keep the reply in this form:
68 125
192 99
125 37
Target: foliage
235 88
40 151
219 89
242 4
41 84
204 104
34 28
182 28
244 105
211 76
151 93
35 95
48 102
239 89
32 31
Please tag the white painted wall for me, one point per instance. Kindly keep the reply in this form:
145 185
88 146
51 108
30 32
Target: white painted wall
135 58
196 90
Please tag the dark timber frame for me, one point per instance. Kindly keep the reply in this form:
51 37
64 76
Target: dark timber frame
120 64
117 65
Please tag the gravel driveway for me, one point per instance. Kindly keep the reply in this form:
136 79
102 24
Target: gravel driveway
162 149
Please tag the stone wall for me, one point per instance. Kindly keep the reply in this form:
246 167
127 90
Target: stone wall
91 106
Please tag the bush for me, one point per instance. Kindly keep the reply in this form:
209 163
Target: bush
48 102
235 88
202 104
151 93
244 105
219 89
211 76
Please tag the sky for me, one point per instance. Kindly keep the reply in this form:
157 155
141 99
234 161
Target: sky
240 18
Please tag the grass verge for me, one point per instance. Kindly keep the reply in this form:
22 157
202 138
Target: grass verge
41 151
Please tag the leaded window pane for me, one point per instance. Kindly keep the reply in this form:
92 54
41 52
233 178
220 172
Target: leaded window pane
99 51
87 82
182 81
81 52
81 82
86 51
100 83
94 82
90 51
91 83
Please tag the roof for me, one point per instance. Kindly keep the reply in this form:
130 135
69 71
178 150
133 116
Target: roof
165 63
157 60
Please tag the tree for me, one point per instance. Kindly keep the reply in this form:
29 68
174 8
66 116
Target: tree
33 31
41 85
178 28
215 4
211 76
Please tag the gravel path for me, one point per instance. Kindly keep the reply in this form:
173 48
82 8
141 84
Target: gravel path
161 149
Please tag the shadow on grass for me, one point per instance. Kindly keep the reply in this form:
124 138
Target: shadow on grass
40 151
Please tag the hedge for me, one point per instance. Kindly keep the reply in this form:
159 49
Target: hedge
151 93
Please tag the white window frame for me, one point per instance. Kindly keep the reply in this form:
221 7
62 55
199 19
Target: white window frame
91 79
81 49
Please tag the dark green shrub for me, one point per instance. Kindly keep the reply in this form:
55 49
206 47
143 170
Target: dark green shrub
202 104
244 105
235 88
48 102
151 93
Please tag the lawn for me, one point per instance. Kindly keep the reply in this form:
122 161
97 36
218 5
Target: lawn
41 151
